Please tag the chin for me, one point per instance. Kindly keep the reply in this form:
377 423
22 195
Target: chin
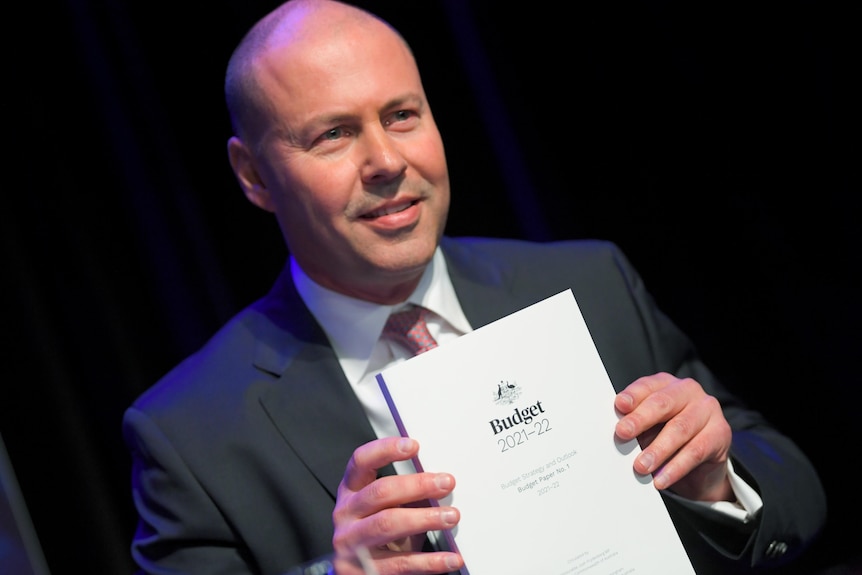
406 258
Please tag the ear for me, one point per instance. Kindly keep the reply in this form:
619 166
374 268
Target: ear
242 162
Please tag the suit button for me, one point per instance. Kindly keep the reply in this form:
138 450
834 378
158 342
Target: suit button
776 549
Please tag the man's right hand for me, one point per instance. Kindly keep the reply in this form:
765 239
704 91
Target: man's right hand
390 516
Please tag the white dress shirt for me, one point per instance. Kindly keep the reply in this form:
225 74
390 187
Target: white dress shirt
354 327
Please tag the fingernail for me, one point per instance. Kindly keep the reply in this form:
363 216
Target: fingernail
647 459
626 399
661 480
443 481
626 427
452 563
449 517
405 445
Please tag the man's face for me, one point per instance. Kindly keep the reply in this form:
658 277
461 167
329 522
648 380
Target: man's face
352 163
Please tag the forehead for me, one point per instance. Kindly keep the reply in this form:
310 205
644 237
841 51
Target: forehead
340 66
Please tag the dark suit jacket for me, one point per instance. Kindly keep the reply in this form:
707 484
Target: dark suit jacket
238 451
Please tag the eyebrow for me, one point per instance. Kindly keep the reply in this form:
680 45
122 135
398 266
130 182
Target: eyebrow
393 103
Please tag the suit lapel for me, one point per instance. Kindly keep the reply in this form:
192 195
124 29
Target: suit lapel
313 399
482 282
310 398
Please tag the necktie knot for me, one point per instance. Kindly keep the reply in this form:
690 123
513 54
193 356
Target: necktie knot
408 328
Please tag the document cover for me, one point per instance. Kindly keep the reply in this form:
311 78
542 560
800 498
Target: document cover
521 412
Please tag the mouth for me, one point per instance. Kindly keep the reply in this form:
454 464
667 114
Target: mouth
388 210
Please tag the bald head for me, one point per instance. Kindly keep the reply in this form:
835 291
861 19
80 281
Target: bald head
336 138
294 23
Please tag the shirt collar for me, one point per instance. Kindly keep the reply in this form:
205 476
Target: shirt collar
353 326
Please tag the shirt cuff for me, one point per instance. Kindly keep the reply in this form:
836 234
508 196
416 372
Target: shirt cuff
747 504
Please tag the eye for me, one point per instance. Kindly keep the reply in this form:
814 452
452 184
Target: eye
401 120
399 116
333 134
402 115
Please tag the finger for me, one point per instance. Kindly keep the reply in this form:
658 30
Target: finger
628 399
651 401
391 530
394 491
702 461
385 562
368 458
696 438
646 438
673 437
419 563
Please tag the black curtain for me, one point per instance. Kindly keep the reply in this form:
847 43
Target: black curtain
712 141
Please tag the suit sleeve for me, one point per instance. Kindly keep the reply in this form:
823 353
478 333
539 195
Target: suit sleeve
794 501
180 528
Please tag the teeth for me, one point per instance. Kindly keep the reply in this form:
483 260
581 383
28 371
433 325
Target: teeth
389 210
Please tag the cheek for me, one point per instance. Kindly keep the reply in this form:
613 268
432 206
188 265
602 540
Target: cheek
323 189
429 158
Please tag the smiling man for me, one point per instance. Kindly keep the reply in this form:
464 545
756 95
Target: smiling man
343 149
272 446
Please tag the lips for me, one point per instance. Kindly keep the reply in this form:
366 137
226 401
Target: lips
388 210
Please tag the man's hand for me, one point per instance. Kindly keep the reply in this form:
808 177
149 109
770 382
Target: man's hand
389 516
683 434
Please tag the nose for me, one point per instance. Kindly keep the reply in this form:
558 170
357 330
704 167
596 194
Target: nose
382 160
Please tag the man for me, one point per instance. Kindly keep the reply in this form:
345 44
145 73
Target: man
272 445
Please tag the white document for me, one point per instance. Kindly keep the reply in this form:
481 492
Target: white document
521 413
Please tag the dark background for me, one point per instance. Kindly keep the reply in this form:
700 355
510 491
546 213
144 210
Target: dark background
711 140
